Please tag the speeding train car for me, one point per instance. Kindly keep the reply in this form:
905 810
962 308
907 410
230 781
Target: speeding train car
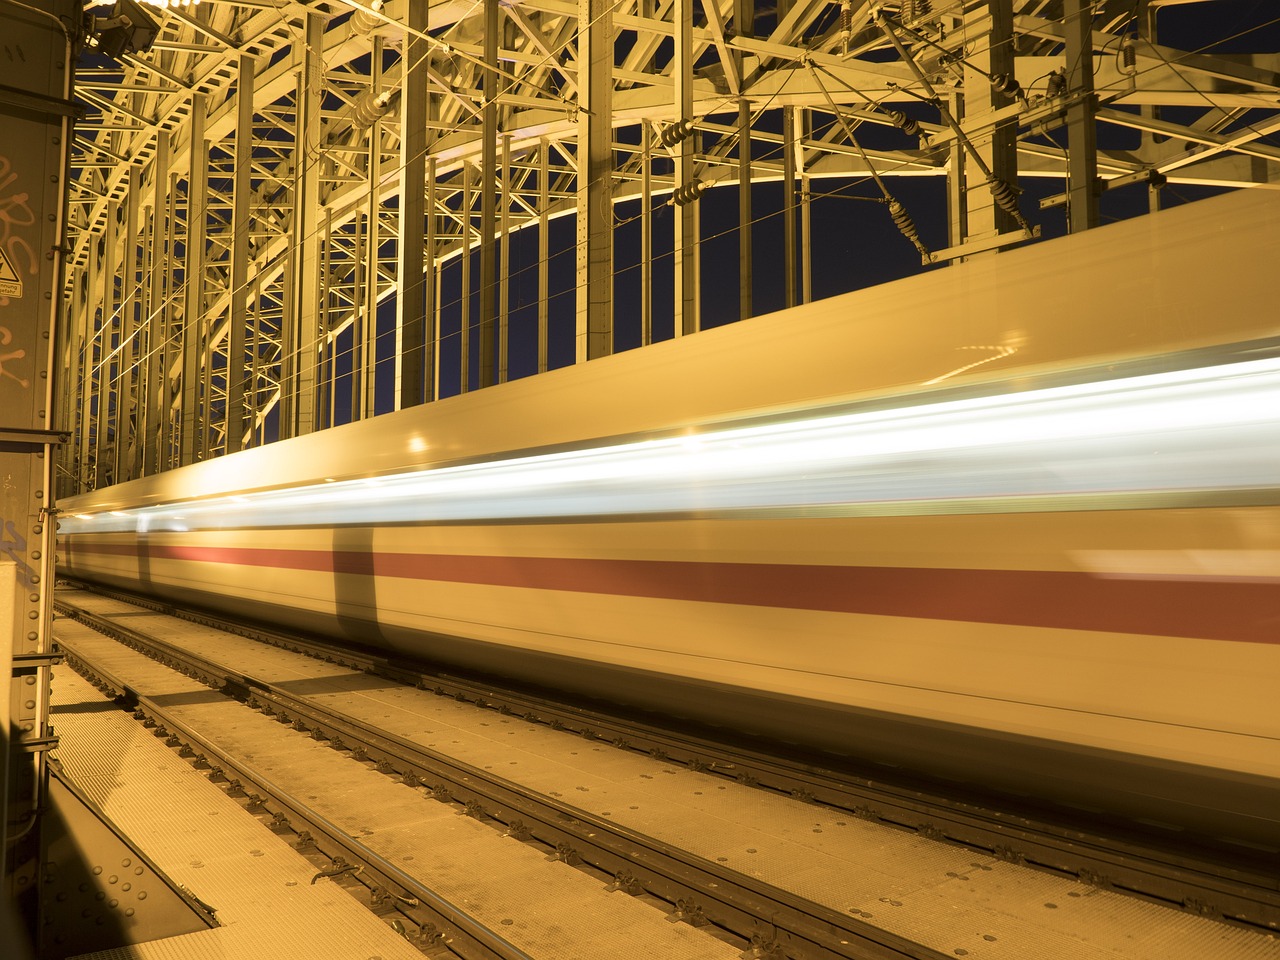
1012 523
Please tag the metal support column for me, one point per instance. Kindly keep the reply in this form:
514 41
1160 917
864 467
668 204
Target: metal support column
193 346
957 192
126 408
806 246
142 384
646 237
360 268
594 332
241 220
687 300
171 343
1082 105
153 400
504 257
105 386
302 321
366 361
35 147
544 248
88 393
488 197
746 280
257 432
464 321
789 204
68 404
288 362
326 360
1145 22
413 341
89 339
993 59
431 282
745 19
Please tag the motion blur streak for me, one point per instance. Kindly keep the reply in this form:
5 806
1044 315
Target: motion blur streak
1205 429
1056 577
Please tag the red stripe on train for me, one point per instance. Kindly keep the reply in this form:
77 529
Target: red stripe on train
1202 607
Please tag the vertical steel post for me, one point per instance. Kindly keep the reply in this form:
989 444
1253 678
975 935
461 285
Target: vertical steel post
286 332
957 189
143 374
88 394
745 19
1082 106
413 341
157 406
746 280
193 417
373 242
594 329
544 248
687 300
171 342
504 257
359 311
303 319
126 403
646 236
35 144
241 223
431 282
1145 23
648 10
991 26
488 196
255 362
436 304
105 388
806 247
72 412
464 323
326 348
789 204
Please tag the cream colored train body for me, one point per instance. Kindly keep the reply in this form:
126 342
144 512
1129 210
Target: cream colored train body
1012 522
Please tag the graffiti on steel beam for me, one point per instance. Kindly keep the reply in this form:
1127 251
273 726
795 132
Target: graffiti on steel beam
15 251
6 337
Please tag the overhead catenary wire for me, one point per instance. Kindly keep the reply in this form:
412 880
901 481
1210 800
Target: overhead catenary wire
901 219
1003 193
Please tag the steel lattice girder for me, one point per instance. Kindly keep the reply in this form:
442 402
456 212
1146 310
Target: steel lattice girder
1205 119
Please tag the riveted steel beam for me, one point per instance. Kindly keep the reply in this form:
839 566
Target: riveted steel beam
594 260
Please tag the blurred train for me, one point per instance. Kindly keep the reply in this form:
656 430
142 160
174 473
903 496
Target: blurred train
1012 523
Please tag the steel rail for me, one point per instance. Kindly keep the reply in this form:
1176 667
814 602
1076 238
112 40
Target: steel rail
1246 896
440 922
775 922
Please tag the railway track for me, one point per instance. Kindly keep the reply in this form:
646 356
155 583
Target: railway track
433 921
766 921
769 921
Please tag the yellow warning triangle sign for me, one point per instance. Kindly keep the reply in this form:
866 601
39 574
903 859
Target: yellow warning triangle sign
10 282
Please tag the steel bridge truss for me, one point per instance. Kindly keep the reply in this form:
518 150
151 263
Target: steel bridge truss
285 215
